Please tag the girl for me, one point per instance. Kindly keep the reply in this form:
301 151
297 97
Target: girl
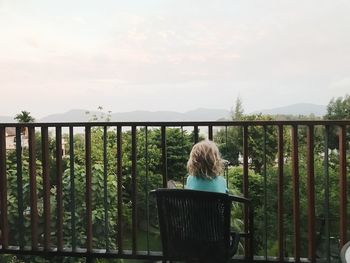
204 167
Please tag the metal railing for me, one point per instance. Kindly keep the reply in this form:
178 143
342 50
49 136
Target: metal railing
43 209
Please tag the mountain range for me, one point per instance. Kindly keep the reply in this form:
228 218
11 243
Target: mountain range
297 109
200 114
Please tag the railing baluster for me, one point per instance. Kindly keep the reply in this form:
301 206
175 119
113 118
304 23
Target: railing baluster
265 193
226 152
342 186
164 156
296 197
210 132
280 194
72 187
311 193
147 189
226 137
20 186
247 246
196 133
88 193
134 188
59 198
3 189
105 187
46 186
326 193
183 150
119 190
32 185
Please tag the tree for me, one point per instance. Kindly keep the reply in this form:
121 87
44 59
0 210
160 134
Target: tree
230 141
237 110
24 117
228 137
256 141
337 109
100 116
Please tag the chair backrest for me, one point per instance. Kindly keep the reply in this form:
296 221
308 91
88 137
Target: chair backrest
194 224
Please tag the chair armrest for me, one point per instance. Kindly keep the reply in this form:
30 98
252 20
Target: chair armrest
239 199
249 227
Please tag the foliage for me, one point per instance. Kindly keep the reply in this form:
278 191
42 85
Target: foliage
338 109
237 110
100 116
24 117
230 142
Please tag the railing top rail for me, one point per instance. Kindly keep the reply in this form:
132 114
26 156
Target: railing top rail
180 123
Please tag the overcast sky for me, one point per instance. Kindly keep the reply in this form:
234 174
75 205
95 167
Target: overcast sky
171 55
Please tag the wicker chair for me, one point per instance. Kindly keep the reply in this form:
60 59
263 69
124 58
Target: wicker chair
195 225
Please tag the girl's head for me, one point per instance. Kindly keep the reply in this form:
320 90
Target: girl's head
205 161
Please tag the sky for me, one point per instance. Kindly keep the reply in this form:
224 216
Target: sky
175 55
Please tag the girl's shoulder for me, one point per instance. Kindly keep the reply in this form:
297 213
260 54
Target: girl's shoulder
220 178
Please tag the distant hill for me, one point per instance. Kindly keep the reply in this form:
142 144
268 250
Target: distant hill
297 109
77 115
201 114
6 119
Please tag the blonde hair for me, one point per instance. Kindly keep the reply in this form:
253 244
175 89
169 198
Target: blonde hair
205 161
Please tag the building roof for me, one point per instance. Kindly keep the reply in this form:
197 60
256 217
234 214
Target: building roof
10 131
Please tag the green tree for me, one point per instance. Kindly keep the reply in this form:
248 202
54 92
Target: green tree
228 138
24 117
100 116
237 110
337 109
230 142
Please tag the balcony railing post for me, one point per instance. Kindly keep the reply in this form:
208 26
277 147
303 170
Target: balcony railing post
164 156
311 193
265 192
88 191
3 190
296 197
105 187
196 133
59 188
32 185
20 186
326 193
182 154
248 242
46 186
72 187
342 187
147 188
210 132
134 187
119 191
280 210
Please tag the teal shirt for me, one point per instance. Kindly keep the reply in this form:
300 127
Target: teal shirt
218 184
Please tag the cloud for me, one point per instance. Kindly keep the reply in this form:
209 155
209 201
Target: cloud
270 52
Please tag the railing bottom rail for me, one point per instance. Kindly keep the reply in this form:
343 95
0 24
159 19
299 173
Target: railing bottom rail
127 254
81 253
